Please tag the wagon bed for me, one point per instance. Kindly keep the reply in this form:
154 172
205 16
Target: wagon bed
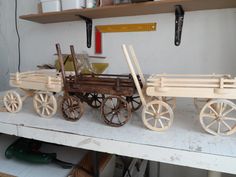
43 80
199 86
120 85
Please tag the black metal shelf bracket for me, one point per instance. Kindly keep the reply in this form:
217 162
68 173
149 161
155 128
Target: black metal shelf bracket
179 21
89 27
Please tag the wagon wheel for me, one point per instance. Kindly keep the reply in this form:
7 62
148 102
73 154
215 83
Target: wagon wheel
200 102
12 101
217 117
157 115
171 101
45 104
134 101
116 111
72 108
95 99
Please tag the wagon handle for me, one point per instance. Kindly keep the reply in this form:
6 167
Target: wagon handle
132 70
61 63
136 63
75 62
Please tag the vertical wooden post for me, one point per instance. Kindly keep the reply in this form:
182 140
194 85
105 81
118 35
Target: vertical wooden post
75 62
61 63
132 70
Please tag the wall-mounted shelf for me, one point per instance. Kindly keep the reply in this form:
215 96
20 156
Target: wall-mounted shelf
154 7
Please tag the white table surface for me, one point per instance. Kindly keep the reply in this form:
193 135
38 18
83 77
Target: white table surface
185 143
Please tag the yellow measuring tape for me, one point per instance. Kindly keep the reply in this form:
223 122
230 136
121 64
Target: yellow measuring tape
127 27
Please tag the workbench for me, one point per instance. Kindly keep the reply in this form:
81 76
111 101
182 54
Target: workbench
185 143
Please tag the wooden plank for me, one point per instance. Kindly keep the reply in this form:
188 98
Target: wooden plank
127 27
155 7
191 92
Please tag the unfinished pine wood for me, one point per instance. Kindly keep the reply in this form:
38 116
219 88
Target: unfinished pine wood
40 84
158 115
45 80
218 117
12 102
155 7
45 104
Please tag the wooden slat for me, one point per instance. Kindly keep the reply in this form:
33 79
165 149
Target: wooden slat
186 85
155 7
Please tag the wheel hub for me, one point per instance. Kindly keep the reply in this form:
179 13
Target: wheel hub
220 118
157 116
44 104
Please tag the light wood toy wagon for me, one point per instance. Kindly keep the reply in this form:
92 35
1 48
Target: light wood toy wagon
41 84
217 116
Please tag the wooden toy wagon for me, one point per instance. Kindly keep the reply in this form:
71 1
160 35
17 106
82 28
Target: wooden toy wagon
115 94
40 84
217 116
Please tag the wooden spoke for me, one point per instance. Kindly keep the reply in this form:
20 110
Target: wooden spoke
227 125
162 126
115 111
228 111
134 101
150 113
163 113
230 118
153 118
171 101
45 104
72 108
150 118
95 99
165 118
209 125
12 101
153 109
214 120
213 110
218 127
209 115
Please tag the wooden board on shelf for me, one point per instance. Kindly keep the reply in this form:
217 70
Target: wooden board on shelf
151 7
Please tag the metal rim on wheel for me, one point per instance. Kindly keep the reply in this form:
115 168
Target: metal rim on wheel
12 101
45 104
72 108
115 111
157 115
217 117
134 101
95 99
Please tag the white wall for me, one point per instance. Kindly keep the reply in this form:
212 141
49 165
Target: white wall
208 41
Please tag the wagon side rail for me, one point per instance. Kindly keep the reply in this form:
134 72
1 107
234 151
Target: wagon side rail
39 78
36 81
131 62
217 83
